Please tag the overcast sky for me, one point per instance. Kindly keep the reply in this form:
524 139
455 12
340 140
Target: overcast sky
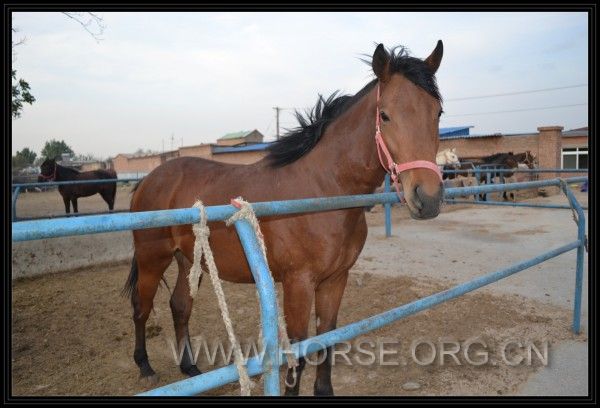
201 75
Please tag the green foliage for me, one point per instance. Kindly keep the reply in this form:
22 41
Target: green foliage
23 158
20 94
54 149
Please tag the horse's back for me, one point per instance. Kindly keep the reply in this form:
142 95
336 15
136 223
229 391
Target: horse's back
177 183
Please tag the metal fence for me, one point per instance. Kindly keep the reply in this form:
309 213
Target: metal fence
269 362
489 171
16 188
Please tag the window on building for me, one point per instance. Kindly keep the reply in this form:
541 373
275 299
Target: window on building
574 158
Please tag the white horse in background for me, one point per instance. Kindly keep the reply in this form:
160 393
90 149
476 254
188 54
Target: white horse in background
447 157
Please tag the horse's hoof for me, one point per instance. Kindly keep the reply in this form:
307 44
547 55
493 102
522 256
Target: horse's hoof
326 390
149 380
324 393
191 371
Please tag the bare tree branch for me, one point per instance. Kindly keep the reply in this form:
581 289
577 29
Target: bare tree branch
91 22
16 43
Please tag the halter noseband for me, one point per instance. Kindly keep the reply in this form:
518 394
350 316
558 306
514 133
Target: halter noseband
393 168
52 177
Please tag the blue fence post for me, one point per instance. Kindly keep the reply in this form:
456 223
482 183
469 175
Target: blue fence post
387 208
580 251
14 202
477 175
268 305
488 178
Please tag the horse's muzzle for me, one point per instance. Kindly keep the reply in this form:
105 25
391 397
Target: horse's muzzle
425 206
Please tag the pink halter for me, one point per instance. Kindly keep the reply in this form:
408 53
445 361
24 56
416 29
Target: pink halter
392 167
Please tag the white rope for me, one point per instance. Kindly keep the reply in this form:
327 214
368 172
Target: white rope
202 247
246 212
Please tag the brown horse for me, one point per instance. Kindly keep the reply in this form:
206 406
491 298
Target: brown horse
52 171
331 153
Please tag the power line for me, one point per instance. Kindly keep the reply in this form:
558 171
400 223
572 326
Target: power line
518 110
516 92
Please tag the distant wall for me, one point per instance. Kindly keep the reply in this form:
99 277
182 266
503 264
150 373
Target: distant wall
39 257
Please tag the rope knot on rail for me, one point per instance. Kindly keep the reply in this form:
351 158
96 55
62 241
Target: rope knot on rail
202 249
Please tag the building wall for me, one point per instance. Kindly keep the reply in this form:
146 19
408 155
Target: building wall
93 166
240 157
485 146
230 142
196 151
575 141
546 146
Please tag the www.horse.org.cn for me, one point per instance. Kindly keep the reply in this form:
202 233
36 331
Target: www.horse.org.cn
510 352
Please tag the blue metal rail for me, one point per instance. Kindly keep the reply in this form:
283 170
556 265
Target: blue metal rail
93 224
516 170
274 356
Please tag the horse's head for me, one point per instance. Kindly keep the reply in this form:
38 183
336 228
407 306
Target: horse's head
529 159
409 112
47 170
447 157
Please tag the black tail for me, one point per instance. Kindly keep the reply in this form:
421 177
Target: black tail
131 284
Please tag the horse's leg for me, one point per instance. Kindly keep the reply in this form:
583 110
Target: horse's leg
181 308
150 270
327 304
298 294
74 202
67 202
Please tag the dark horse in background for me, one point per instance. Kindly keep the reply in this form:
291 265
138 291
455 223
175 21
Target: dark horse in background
331 153
503 161
52 171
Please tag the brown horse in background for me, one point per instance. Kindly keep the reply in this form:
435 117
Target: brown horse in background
331 153
52 171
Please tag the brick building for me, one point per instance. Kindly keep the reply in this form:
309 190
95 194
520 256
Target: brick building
243 147
553 148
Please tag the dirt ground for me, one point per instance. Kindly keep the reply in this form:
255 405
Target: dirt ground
73 335
72 332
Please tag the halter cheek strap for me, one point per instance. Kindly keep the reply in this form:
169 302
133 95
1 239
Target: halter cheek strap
390 166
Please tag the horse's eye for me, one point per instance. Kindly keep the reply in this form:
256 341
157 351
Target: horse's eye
440 114
384 117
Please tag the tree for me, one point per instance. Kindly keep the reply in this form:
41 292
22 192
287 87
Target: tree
54 149
20 88
92 23
23 158
20 94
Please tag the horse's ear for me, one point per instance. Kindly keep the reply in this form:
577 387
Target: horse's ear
381 63
453 150
435 59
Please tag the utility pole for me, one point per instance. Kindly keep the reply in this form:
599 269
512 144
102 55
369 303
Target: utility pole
172 140
277 110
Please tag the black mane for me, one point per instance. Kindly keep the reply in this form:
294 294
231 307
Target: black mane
68 169
312 125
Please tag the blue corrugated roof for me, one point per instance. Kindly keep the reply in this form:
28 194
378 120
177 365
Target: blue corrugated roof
233 149
450 132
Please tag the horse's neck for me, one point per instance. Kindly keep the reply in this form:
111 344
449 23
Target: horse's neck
345 160
62 173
